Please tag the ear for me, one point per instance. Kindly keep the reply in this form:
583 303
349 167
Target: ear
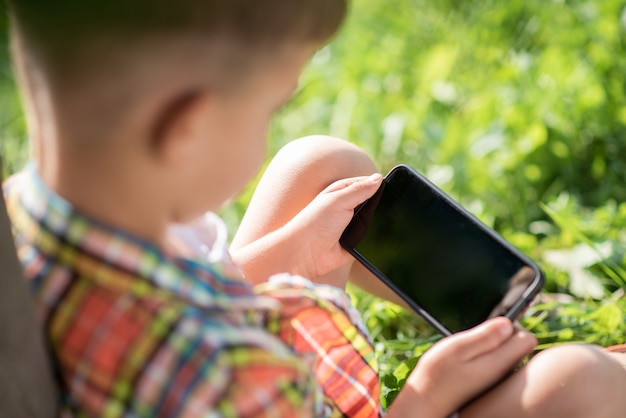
179 124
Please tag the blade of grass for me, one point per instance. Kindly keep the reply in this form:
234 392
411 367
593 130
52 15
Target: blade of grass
610 268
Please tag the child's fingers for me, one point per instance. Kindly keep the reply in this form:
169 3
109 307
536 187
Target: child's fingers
481 339
354 191
343 183
493 336
489 351
509 354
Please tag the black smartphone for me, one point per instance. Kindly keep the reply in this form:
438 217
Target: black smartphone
440 259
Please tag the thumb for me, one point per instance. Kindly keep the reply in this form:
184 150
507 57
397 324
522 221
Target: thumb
353 191
483 338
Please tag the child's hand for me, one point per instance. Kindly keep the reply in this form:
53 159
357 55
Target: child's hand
320 224
461 367
308 245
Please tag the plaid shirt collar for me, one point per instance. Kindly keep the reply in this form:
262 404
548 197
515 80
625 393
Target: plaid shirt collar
118 259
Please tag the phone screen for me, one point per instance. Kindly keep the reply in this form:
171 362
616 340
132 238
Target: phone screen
447 265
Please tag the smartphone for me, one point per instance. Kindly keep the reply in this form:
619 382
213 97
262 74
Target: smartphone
441 260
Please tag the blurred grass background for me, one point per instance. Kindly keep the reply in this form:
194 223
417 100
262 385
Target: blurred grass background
517 109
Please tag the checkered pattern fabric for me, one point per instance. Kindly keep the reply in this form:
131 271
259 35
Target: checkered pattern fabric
137 332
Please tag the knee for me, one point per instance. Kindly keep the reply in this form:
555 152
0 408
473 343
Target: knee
325 156
582 379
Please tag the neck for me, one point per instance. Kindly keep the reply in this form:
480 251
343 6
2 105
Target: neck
114 193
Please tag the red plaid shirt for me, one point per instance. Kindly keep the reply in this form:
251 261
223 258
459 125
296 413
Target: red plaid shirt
136 332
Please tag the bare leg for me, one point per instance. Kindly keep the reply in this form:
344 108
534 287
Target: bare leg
298 173
567 381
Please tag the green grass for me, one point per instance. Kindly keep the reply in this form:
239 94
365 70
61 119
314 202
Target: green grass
517 109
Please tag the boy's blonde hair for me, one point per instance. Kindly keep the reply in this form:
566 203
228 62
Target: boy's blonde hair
74 47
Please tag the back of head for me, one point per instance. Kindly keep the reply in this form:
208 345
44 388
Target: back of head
58 31
73 45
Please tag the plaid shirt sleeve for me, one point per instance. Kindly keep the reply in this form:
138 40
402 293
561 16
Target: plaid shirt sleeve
320 322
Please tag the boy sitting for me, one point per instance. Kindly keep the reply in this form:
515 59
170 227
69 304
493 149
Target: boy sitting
146 114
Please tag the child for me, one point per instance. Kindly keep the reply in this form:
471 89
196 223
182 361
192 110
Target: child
149 113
